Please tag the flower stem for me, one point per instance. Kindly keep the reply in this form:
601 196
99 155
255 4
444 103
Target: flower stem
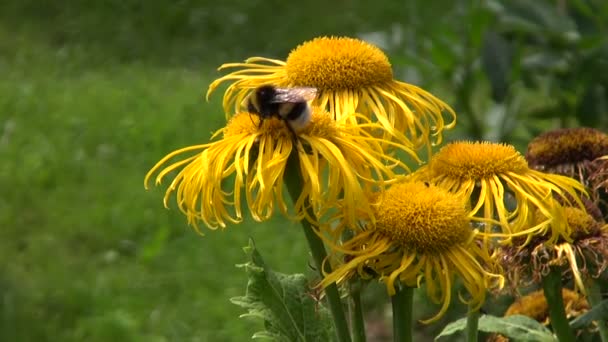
333 296
595 297
403 302
293 182
552 286
472 325
356 312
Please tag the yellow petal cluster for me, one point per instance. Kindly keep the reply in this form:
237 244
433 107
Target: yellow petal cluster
249 160
351 76
422 235
491 175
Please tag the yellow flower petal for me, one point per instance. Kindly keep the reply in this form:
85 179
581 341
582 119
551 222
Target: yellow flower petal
421 235
351 76
336 164
497 171
583 254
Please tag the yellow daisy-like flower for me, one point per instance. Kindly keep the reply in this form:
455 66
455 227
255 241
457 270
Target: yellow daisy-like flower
422 234
334 163
585 253
490 173
350 76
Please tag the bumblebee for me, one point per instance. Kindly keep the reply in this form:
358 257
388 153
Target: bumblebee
287 104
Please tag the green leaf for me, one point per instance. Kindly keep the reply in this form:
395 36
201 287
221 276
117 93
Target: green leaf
535 18
496 61
516 327
284 302
479 19
598 313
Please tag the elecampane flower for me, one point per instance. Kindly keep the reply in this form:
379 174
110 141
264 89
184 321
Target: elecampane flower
250 159
351 76
567 151
580 153
584 254
422 234
491 174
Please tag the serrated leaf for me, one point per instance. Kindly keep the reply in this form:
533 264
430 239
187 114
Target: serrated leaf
599 312
516 327
283 301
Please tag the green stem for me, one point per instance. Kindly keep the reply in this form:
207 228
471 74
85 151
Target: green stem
472 325
403 302
552 286
595 297
356 312
293 182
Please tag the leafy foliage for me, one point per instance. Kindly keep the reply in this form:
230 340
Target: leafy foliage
598 312
284 302
516 327
561 48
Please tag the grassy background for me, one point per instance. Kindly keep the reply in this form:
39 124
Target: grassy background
86 252
92 94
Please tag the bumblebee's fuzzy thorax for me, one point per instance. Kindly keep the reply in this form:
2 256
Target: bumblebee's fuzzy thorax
287 104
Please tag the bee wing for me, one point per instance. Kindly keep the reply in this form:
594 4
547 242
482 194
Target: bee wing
292 95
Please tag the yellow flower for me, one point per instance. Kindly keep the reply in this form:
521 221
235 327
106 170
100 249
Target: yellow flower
350 76
252 158
534 305
422 234
585 253
489 173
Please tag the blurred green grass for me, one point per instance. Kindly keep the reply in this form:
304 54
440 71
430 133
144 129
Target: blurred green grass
91 96
86 252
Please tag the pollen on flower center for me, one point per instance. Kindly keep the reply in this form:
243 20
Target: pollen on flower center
566 146
477 160
249 124
422 218
535 305
581 223
337 63
321 125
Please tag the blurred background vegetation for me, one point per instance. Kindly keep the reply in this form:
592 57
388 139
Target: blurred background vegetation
93 93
